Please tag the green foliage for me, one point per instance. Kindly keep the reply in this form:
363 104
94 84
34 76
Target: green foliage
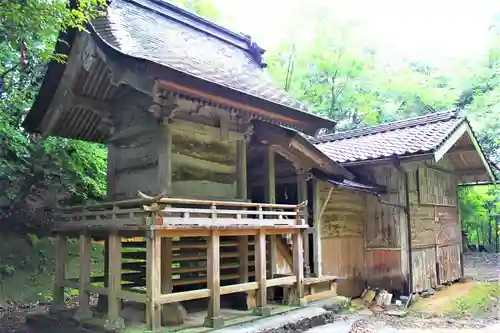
203 8
35 172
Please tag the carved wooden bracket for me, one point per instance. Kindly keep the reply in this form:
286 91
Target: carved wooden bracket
163 106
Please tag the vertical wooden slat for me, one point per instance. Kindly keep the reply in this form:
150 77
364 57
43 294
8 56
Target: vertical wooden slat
114 321
260 273
301 197
317 253
58 303
166 265
214 318
165 159
153 285
242 194
298 266
84 311
270 197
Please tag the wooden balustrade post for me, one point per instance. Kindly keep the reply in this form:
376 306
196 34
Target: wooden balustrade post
270 196
153 284
83 311
260 273
214 318
301 197
298 267
114 320
58 304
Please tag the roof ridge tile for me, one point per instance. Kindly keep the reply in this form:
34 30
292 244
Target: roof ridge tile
391 126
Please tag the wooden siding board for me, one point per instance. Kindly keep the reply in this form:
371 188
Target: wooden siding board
424 269
449 263
384 269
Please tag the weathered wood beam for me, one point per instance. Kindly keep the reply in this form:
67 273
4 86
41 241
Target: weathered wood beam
114 320
59 276
260 273
301 179
165 160
100 107
317 207
214 318
270 197
83 311
298 267
59 102
153 283
242 192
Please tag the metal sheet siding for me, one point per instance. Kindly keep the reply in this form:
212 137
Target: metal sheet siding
424 269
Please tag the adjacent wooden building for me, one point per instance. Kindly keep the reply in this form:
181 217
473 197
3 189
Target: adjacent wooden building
407 237
211 173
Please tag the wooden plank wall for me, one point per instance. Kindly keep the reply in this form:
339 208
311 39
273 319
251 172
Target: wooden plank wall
203 156
204 163
136 155
386 231
342 239
436 235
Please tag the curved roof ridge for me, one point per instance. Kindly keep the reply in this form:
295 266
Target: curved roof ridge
390 126
195 21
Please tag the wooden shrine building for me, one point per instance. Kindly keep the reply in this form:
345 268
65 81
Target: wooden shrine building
210 173
407 238
199 141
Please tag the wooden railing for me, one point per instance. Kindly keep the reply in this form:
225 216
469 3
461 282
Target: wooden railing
180 212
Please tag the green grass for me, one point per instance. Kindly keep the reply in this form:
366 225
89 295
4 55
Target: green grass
27 267
478 299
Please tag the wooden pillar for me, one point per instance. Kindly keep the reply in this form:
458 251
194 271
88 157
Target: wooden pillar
153 285
260 273
301 197
242 193
165 159
298 268
83 311
114 320
270 196
317 205
214 318
58 303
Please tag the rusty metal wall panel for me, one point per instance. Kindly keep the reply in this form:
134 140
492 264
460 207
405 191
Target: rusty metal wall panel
449 263
424 269
384 269
345 257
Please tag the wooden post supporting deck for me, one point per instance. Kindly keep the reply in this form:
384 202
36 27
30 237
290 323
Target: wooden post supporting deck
214 318
114 320
301 197
270 193
83 311
58 303
242 194
153 285
298 267
317 205
260 273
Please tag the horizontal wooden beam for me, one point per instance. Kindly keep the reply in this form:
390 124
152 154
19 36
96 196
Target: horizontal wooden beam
282 281
183 296
237 288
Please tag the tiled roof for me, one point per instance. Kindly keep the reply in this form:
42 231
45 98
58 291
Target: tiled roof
410 136
167 35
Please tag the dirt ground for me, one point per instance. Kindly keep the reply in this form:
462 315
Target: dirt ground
429 315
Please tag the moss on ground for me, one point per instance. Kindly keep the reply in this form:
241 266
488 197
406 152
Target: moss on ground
27 267
478 299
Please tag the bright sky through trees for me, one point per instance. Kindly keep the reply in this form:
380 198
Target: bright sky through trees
426 29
